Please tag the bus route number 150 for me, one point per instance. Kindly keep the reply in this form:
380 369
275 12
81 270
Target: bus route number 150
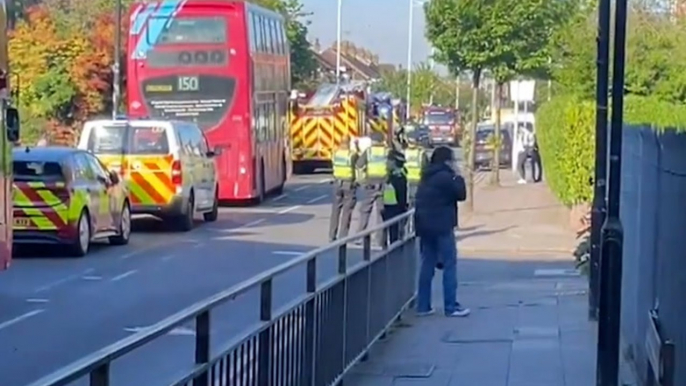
188 83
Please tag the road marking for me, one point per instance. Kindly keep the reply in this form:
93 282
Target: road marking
124 275
292 208
169 257
252 223
324 181
37 300
312 201
20 318
91 277
63 280
279 198
300 189
287 253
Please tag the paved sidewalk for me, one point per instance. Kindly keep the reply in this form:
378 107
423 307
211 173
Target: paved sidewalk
522 332
513 219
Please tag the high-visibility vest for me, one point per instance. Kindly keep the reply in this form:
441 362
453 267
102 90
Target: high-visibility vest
376 162
342 165
389 196
413 164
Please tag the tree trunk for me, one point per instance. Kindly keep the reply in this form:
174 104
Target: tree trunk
470 146
495 172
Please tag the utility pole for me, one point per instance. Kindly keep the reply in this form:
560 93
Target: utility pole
116 68
601 123
612 233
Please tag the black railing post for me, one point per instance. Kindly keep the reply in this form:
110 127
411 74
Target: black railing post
264 350
101 375
599 207
309 363
612 245
202 346
342 270
367 247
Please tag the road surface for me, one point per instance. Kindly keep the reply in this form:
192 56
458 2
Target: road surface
56 310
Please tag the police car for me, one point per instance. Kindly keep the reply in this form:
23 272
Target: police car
66 196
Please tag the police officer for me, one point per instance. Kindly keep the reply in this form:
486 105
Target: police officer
394 198
372 166
344 163
417 156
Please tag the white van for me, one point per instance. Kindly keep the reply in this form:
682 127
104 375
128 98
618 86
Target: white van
168 165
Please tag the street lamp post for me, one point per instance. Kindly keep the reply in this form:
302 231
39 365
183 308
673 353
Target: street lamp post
116 69
408 91
338 40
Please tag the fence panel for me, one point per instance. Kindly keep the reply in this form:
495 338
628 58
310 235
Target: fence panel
312 341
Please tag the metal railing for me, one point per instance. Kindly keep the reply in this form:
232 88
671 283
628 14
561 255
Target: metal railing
313 341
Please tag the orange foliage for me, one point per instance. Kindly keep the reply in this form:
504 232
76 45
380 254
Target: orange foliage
86 57
91 71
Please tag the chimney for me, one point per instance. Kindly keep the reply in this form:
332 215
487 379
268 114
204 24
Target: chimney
317 46
375 59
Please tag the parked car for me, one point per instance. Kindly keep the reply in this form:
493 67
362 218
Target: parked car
66 196
483 156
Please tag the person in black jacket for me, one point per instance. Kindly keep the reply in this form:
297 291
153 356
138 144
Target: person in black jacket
439 191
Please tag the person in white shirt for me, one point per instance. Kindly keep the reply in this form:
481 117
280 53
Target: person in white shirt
524 146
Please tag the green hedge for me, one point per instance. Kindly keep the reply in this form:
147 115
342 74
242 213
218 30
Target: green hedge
565 127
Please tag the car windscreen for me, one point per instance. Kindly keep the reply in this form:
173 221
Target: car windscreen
439 119
128 140
482 134
37 171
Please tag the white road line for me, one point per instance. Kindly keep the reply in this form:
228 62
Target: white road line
63 280
324 181
124 275
312 201
300 189
20 318
37 300
252 223
168 257
279 198
91 277
287 253
292 208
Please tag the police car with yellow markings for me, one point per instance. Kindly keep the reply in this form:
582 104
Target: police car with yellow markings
66 196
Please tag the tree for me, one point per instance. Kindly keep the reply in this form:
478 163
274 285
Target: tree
465 35
523 35
303 63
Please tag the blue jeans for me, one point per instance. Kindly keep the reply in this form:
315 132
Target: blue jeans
433 250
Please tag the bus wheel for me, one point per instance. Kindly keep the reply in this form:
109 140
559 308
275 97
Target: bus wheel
284 177
261 194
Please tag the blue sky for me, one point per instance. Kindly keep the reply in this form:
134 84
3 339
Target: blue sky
378 25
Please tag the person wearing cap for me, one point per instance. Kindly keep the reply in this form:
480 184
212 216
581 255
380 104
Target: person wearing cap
344 163
372 169
439 191
394 196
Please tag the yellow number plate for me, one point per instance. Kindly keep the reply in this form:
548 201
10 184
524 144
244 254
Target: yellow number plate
22 222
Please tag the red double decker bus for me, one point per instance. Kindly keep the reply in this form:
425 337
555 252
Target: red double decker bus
224 65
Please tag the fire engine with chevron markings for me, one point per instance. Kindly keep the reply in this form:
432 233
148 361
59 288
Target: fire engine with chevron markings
9 124
319 123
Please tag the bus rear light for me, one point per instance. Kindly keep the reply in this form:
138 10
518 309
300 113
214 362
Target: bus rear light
177 177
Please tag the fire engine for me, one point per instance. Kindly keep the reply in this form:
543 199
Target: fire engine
444 124
320 121
377 123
